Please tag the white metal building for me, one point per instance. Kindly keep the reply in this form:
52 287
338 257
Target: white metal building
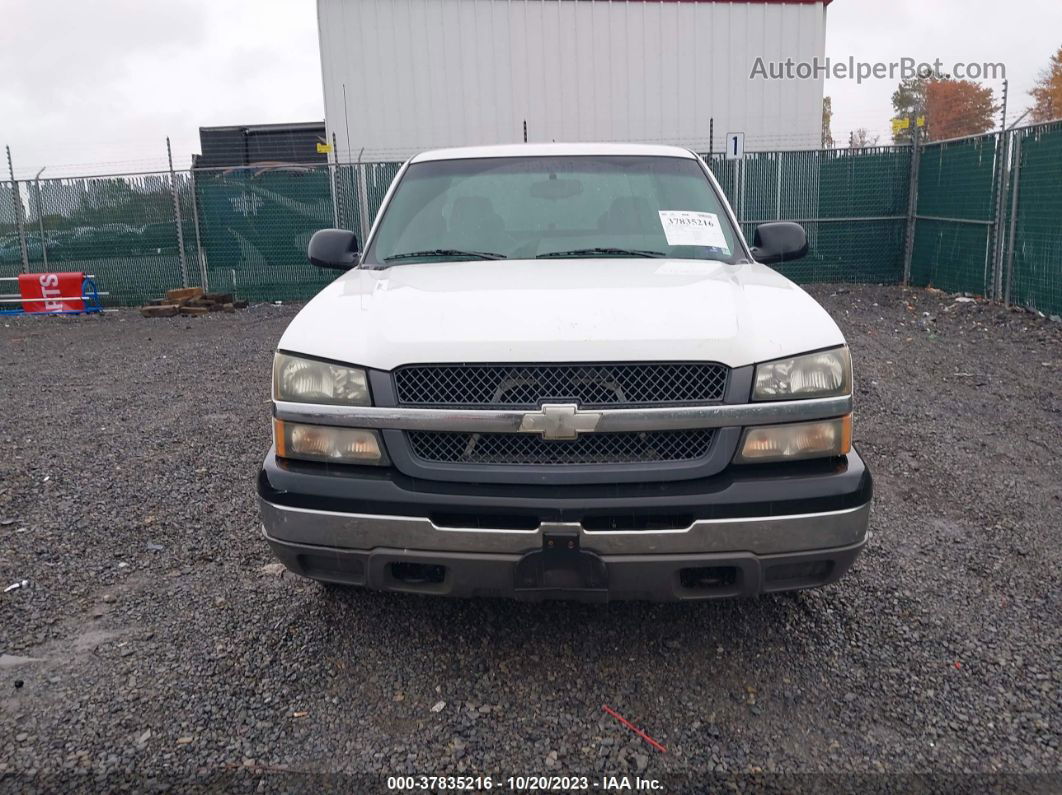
405 75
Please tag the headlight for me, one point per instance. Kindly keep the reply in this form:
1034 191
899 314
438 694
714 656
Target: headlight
820 439
325 443
310 381
813 375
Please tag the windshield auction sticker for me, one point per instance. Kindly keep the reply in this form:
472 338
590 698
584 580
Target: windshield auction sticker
688 228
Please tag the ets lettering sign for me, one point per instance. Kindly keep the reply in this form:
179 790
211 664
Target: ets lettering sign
51 292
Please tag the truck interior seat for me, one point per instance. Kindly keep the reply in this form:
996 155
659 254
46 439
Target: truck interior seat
629 214
474 224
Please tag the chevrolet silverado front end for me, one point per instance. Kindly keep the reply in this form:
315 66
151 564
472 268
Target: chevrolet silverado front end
558 371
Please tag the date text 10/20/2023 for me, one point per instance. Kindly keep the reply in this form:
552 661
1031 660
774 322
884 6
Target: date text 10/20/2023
523 783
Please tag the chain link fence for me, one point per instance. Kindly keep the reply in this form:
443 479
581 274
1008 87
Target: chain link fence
853 203
1031 258
977 215
956 205
255 224
135 233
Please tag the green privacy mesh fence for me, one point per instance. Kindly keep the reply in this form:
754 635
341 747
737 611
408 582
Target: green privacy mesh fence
956 212
246 229
1034 233
378 178
255 224
853 204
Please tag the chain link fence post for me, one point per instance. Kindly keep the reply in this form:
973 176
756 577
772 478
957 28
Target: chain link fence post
333 173
1014 190
177 217
912 206
778 190
200 252
736 201
333 187
363 198
998 248
40 218
20 226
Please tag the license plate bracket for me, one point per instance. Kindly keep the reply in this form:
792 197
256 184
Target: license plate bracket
561 566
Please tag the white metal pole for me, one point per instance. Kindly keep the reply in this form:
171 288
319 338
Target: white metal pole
363 198
177 217
912 205
16 197
1015 189
40 217
198 239
778 196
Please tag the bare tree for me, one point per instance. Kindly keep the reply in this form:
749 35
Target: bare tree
863 139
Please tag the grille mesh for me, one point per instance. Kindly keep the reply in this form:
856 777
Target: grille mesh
589 385
598 448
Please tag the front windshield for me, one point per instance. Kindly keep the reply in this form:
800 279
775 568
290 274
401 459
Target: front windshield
543 207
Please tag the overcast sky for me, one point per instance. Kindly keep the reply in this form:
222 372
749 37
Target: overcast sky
97 86
1022 34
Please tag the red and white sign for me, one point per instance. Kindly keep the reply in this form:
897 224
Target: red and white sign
51 292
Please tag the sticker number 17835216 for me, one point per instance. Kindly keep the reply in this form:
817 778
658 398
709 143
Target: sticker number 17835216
690 228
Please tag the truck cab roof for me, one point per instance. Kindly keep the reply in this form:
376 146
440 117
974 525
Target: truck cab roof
553 150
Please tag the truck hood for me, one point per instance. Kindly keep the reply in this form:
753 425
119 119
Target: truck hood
561 311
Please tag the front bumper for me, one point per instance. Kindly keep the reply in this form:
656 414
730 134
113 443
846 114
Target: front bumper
745 531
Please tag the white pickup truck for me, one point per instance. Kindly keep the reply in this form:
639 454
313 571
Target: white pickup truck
559 371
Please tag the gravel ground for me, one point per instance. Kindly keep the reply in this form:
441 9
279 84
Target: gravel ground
167 651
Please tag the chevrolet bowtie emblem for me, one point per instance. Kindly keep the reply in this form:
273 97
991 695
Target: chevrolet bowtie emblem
560 421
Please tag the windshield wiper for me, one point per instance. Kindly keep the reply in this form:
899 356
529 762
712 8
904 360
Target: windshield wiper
604 250
446 252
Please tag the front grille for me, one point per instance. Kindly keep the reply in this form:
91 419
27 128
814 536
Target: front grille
597 448
528 386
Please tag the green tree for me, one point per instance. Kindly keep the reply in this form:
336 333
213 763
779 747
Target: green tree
908 102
